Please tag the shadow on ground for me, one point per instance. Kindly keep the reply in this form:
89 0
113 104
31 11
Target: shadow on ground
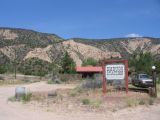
142 90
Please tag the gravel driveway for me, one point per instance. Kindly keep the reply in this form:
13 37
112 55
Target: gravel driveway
17 111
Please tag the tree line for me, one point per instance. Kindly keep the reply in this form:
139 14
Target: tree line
138 62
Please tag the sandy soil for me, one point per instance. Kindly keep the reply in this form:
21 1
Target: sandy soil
17 111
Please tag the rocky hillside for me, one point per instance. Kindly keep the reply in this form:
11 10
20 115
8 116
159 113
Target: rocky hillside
22 45
125 46
110 48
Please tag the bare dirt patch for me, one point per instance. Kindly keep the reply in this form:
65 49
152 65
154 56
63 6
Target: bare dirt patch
65 102
8 34
79 100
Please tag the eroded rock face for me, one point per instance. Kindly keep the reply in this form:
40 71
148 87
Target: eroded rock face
155 49
79 51
15 51
7 34
40 53
137 44
144 45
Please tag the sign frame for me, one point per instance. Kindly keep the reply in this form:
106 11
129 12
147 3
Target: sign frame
117 75
104 82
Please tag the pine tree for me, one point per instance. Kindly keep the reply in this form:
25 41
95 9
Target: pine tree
68 65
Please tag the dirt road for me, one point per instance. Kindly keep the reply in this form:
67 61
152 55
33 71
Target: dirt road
17 111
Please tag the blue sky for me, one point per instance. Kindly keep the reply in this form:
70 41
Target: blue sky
84 18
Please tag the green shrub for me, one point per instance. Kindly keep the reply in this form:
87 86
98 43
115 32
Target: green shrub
91 103
74 92
64 79
3 69
158 90
158 81
86 101
27 97
24 98
132 102
141 102
50 82
151 101
35 67
12 99
141 62
68 65
95 103
89 61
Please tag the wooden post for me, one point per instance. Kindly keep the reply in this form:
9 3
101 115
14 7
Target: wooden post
126 75
104 89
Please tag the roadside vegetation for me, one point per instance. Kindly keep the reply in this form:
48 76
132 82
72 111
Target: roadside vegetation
143 62
158 89
68 65
24 98
35 67
89 62
87 100
88 95
16 82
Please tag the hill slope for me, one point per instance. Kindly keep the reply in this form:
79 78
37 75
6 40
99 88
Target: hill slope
22 44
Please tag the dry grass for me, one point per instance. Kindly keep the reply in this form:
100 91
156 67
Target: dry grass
15 82
11 82
158 90
92 100
82 100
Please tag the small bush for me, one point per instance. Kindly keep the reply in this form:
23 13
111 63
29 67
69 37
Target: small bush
158 90
114 110
75 92
1 78
91 103
86 101
79 89
3 69
24 98
141 102
132 102
12 99
55 81
158 81
27 97
50 82
89 61
27 81
151 101
95 103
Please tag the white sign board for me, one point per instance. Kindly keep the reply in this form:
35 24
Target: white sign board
115 71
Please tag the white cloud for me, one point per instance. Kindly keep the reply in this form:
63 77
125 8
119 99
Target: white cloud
133 35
